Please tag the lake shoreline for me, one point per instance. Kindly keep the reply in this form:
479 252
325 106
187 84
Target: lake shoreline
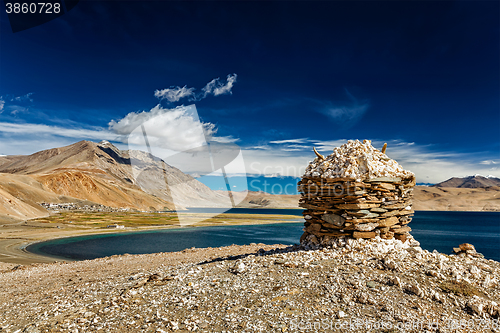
14 239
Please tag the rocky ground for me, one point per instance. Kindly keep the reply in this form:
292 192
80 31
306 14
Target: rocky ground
353 286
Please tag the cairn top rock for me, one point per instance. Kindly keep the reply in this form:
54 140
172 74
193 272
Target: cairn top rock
357 160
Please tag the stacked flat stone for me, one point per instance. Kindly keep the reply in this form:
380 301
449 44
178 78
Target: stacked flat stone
369 202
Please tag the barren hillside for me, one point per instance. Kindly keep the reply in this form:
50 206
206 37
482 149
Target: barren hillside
94 173
457 199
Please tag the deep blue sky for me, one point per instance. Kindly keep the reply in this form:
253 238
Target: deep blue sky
422 72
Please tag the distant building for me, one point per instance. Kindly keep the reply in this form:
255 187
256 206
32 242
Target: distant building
116 226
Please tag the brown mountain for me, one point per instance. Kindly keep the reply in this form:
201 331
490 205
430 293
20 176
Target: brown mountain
476 181
88 172
456 199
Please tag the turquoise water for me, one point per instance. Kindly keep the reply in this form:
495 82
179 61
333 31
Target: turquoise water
434 230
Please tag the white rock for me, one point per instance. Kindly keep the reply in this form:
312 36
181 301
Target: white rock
366 226
489 282
395 281
415 289
476 305
390 263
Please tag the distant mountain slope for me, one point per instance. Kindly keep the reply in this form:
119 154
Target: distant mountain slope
254 199
476 181
99 173
425 198
20 196
456 199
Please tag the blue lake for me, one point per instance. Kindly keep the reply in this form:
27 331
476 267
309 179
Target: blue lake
434 230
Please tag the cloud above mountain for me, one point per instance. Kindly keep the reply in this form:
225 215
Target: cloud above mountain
177 129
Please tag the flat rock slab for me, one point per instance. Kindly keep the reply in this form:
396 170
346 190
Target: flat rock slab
364 234
384 179
388 222
402 230
333 219
357 206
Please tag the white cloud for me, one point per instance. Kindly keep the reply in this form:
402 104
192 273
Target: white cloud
216 88
489 162
301 140
23 98
225 139
174 94
41 129
327 146
2 103
177 129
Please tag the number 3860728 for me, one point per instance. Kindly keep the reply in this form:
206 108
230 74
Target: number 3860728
33 8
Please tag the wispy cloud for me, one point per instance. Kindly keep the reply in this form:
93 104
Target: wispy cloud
15 104
41 129
349 113
217 88
23 98
214 87
490 162
301 140
174 94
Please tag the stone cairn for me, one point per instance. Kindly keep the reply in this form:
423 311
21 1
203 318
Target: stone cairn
356 192
467 249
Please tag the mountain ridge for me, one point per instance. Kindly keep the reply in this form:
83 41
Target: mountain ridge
98 173
475 181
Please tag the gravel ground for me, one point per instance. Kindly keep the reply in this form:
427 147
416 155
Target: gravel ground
353 286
